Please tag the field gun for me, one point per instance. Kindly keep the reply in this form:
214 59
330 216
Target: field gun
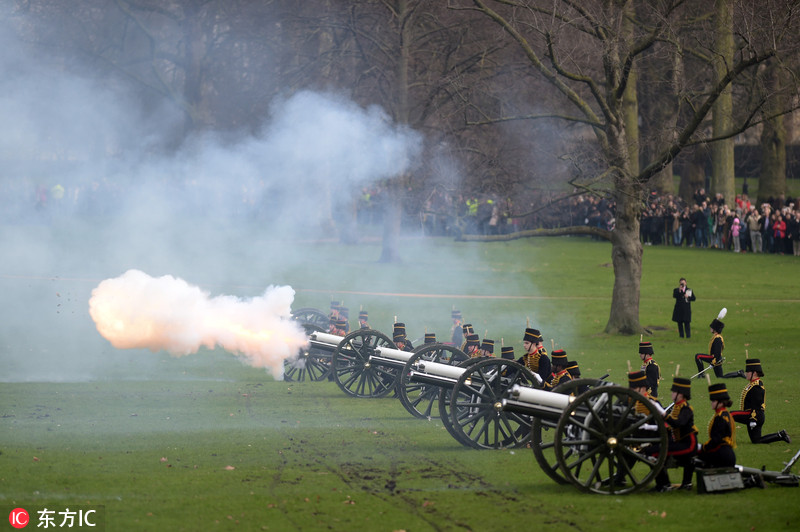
595 440
434 378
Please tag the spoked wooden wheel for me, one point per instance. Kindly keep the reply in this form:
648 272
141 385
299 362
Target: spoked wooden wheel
477 410
543 430
422 400
353 369
310 364
445 412
599 441
313 316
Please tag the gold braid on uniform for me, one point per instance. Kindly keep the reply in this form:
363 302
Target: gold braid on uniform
531 361
677 432
721 339
746 389
641 408
730 440
658 368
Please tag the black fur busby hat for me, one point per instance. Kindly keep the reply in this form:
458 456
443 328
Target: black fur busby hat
573 369
532 335
507 352
718 392
754 364
456 314
488 345
716 323
646 348
559 358
637 379
430 338
682 385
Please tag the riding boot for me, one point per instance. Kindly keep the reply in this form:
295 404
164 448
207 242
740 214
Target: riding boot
775 436
734 374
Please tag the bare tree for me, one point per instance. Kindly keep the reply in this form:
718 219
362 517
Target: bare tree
588 52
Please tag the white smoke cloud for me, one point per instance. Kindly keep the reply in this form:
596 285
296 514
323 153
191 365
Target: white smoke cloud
135 311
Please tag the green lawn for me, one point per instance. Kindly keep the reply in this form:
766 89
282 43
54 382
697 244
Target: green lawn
205 443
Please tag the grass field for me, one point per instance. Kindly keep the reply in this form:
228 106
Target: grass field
204 442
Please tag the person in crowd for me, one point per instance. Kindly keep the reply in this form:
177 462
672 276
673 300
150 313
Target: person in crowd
682 311
753 221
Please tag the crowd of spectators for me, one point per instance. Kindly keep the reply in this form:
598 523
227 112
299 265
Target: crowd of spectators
706 222
702 222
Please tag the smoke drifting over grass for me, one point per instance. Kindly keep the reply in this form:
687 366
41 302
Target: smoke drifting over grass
88 191
138 311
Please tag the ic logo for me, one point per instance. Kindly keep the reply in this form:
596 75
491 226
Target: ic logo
18 518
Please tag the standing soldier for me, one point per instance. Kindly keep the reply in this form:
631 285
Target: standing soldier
535 357
715 347
457 332
650 368
752 406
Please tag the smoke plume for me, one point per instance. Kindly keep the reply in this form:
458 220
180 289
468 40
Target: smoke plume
135 311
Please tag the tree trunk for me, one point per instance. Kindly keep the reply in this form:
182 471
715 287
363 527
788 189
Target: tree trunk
772 180
392 215
394 201
722 175
626 256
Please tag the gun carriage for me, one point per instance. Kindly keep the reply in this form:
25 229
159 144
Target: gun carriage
588 432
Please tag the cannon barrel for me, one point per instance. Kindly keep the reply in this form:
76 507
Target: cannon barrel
538 403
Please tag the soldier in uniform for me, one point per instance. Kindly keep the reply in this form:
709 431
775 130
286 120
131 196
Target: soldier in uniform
457 332
752 406
472 345
487 348
718 450
715 348
683 435
363 319
466 330
507 352
334 314
400 328
535 357
559 362
637 381
650 368
344 316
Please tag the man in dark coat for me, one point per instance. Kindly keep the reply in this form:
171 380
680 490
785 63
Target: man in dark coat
682 313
